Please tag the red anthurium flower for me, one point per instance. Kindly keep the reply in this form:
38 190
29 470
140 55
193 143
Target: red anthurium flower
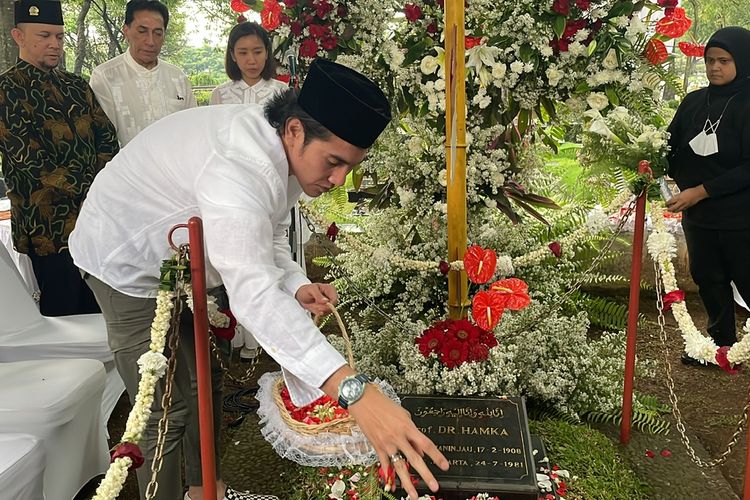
487 308
671 298
239 6
555 248
674 25
724 364
479 263
472 41
692 49
666 453
412 12
515 292
130 450
270 15
656 51
650 454
228 331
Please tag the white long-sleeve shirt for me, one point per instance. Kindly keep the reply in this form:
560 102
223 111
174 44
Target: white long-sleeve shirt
239 92
227 165
135 97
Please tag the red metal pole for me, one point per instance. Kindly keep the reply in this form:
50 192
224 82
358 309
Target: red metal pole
202 358
746 490
633 309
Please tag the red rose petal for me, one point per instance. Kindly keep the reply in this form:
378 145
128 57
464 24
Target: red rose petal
723 362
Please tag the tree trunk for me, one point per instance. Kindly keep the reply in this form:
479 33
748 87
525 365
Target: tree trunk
8 48
81 38
114 45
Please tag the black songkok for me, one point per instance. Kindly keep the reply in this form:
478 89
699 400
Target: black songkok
38 11
345 102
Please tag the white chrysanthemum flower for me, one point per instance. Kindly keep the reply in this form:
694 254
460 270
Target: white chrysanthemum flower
553 76
610 61
596 221
428 65
153 362
516 67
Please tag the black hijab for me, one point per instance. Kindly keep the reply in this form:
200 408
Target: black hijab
736 41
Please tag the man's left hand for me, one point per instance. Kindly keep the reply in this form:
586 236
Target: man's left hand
315 297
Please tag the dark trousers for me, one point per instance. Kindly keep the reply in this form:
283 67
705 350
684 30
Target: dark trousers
717 258
62 290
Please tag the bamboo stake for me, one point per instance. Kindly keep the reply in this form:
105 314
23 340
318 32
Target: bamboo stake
455 153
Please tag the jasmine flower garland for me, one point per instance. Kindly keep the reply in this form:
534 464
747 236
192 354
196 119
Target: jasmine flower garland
152 366
662 247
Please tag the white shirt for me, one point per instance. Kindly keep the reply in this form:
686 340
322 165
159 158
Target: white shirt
226 165
239 92
135 97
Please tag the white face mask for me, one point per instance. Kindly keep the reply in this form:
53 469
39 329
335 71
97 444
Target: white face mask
705 144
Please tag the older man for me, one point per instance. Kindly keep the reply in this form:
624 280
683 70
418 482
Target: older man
54 138
137 88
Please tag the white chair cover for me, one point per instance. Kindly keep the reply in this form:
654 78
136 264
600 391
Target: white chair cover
58 402
26 335
21 261
21 467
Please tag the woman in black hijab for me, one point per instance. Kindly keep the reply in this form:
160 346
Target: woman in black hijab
710 161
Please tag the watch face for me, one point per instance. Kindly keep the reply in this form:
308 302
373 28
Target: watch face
351 388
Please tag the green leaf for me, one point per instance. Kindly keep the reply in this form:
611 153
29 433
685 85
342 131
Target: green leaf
358 176
592 47
558 26
612 95
526 52
415 52
524 119
621 9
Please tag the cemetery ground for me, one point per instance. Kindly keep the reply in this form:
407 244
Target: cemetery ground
652 466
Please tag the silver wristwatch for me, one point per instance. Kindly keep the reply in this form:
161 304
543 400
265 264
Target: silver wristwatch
351 389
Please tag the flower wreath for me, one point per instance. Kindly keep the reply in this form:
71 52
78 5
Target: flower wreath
662 247
152 366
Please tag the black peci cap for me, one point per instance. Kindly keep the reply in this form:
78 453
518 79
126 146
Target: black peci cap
38 11
346 102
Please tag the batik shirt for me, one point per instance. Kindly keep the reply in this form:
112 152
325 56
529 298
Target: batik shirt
54 138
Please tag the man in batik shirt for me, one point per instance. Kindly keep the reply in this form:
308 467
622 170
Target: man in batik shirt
54 138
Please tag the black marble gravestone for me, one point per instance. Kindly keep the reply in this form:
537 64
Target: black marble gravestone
485 439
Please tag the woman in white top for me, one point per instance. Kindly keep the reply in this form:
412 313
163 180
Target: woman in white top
250 65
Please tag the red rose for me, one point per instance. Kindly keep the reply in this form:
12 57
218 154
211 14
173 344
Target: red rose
488 339
440 3
283 18
555 248
241 19
560 45
454 353
341 10
290 4
723 362
583 4
561 7
432 27
412 12
130 450
671 298
444 267
333 229
479 263
228 331
573 27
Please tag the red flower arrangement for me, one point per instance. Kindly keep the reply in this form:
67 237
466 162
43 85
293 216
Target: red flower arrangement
459 341
656 51
672 297
323 409
692 49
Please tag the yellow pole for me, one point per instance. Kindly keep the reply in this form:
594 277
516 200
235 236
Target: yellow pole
455 153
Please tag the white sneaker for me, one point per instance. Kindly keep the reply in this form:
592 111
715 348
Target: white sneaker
246 353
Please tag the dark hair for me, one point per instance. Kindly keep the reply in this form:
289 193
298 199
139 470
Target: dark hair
134 6
244 29
283 106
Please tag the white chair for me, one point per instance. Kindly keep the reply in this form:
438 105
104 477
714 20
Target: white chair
26 335
21 467
58 402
